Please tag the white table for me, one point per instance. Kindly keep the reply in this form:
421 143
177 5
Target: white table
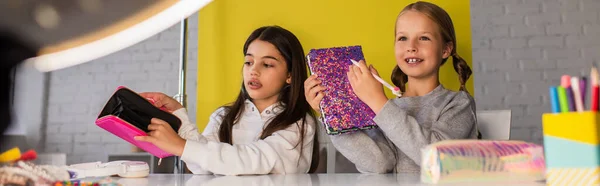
295 179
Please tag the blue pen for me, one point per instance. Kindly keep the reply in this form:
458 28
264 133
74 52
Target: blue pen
554 100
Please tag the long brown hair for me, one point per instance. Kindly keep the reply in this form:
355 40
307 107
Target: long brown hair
440 17
296 107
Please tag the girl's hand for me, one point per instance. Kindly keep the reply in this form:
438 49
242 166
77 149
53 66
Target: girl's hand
164 137
366 87
162 100
313 92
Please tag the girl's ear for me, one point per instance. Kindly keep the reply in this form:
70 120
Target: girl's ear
447 51
289 79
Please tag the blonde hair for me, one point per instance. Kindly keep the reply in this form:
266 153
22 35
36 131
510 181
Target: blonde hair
443 20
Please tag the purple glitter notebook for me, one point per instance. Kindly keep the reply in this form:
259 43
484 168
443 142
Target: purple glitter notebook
341 109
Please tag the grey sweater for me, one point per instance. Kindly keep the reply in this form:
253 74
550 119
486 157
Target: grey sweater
406 125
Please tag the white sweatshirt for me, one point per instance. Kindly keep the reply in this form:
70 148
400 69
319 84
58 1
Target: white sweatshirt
204 154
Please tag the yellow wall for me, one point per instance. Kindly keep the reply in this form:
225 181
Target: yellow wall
224 26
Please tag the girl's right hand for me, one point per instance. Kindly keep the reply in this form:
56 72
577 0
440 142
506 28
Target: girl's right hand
313 92
162 100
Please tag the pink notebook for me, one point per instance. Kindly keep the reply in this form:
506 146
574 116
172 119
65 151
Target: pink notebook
126 131
127 114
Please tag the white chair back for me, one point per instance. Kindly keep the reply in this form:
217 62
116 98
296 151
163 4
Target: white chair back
494 124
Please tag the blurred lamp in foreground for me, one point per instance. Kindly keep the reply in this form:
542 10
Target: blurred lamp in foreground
53 35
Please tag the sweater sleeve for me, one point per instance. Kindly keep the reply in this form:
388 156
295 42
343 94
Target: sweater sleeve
369 150
457 120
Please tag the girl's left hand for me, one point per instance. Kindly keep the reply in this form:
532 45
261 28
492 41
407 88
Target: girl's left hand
366 87
164 137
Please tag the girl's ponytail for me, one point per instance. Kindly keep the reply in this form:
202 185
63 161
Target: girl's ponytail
462 69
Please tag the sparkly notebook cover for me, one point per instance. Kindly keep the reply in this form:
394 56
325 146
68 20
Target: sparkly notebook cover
341 109
479 160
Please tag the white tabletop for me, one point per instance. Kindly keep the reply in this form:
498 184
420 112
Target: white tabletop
295 179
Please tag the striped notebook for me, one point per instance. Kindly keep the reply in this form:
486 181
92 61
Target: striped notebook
479 160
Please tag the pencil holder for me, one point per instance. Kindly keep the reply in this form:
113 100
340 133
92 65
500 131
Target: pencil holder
571 148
